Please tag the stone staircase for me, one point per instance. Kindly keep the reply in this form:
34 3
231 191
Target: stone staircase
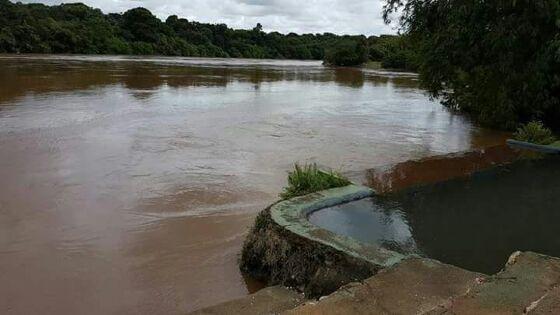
529 284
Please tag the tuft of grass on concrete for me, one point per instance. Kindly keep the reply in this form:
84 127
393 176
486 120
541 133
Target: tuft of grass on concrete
306 179
534 132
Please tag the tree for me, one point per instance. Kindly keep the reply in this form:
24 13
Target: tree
498 61
77 28
141 25
347 53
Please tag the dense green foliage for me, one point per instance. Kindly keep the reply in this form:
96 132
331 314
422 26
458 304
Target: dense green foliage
308 179
347 53
394 52
77 28
391 51
498 61
534 132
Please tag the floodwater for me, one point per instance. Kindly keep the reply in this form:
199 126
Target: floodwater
474 223
128 184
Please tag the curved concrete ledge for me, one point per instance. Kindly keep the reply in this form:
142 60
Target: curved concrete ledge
292 215
547 149
284 248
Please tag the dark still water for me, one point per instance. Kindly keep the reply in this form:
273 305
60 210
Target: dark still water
128 184
475 224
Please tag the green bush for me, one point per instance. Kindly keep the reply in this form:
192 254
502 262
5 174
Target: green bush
534 132
347 53
77 28
394 52
309 178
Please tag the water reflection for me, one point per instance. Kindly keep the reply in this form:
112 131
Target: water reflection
24 75
369 220
473 223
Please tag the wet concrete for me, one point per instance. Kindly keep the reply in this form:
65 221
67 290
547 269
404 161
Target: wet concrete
128 184
434 169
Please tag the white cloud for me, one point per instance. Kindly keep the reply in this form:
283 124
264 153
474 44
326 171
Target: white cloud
299 16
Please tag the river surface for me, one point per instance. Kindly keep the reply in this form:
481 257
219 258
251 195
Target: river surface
128 184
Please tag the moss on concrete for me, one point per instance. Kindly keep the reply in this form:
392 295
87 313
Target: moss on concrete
293 214
280 257
284 248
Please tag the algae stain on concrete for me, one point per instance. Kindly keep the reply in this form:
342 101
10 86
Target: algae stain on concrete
285 248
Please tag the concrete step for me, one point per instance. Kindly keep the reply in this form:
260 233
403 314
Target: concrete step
529 284
548 304
271 300
414 286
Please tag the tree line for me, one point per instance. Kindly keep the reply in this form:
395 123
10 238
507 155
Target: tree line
78 29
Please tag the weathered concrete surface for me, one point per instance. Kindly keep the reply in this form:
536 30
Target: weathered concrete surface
279 257
438 168
292 215
284 248
414 286
528 284
271 300
547 304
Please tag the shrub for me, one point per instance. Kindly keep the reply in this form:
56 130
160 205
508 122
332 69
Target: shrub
534 132
394 52
309 178
347 53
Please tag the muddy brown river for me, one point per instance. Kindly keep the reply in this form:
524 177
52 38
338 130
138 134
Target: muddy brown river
128 184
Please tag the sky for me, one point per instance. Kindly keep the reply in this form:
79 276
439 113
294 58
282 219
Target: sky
298 16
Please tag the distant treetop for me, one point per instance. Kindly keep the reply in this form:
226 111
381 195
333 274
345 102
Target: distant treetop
78 29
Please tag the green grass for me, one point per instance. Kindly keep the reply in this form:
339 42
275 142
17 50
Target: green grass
556 144
303 180
534 132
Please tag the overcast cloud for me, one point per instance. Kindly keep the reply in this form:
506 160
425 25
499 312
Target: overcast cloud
299 16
